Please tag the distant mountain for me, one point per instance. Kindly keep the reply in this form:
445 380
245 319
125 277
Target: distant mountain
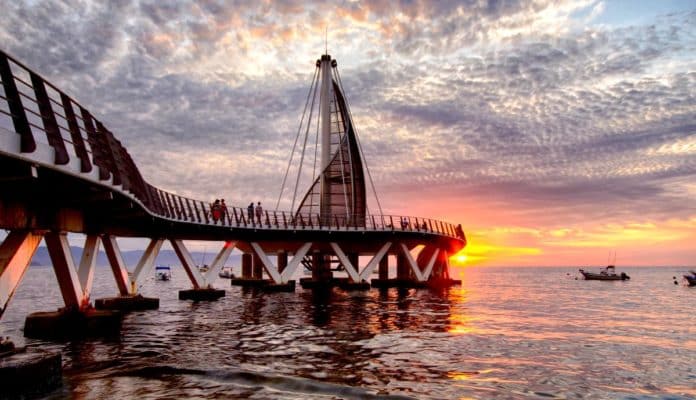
131 258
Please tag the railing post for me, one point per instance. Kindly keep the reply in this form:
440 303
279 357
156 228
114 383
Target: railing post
99 150
49 120
183 210
285 221
198 214
14 102
275 219
205 213
75 135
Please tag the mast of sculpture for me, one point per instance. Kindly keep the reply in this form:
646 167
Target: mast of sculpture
325 116
337 194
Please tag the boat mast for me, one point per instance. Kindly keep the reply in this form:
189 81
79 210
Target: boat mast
325 115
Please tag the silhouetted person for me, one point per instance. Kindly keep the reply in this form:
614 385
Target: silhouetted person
223 210
250 212
259 212
215 210
460 231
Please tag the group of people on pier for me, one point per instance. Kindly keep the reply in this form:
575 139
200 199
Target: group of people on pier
219 212
258 211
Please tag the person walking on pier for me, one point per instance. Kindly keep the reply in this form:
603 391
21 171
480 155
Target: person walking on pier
259 212
223 211
250 212
215 211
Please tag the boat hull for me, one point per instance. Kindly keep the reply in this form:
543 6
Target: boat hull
589 276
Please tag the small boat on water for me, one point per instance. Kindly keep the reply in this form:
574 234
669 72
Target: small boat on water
163 273
605 274
690 278
226 272
204 268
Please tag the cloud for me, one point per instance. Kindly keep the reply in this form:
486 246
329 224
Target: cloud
524 106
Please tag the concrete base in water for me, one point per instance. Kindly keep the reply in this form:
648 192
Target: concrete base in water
279 287
250 282
348 285
207 294
397 283
309 283
343 283
443 283
69 324
127 303
29 373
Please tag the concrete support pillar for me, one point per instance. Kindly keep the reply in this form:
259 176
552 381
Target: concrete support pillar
282 261
246 265
320 267
316 265
257 269
403 270
384 268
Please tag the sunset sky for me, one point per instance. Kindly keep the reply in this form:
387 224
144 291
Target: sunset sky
553 131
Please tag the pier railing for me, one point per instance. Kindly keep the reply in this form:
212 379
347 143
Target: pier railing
38 111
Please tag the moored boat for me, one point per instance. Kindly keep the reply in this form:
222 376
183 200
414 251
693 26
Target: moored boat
605 274
690 278
163 273
226 272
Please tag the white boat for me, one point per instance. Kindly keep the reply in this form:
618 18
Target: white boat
163 273
226 272
605 274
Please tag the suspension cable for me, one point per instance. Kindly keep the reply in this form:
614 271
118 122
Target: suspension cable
357 138
314 164
304 146
294 146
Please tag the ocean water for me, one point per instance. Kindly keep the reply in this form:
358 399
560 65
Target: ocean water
506 333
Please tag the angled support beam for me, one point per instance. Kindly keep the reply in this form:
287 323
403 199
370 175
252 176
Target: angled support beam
118 267
420 276
147 261
220 260
295 262
350 269
374 262
431 263
88 264
193 273
15 254
271 269
64 267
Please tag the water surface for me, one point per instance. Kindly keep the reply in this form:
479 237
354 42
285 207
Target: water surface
505 333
